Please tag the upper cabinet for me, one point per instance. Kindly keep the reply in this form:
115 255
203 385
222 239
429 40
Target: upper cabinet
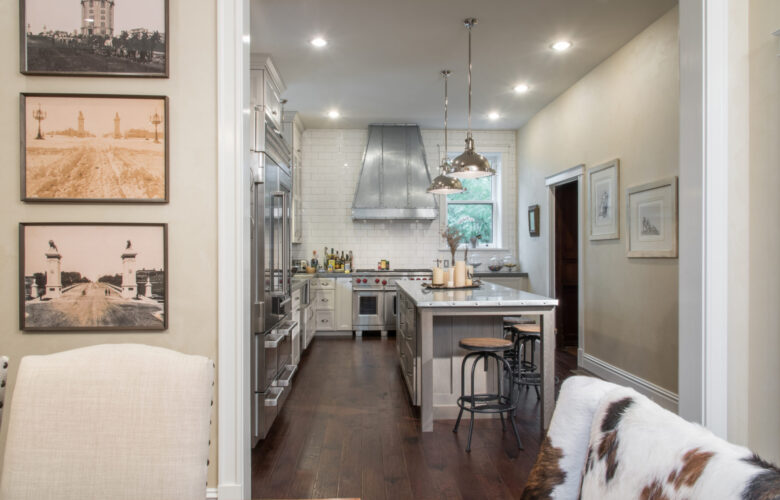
293 134
265 95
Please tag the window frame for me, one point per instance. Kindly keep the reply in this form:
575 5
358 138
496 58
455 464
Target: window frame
495 202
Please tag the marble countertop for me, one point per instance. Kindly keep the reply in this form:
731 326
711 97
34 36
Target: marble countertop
500 274
487 295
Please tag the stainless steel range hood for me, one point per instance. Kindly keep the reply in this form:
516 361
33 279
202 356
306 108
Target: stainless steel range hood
394 176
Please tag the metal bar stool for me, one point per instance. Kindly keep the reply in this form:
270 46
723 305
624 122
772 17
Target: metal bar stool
498 402
525 370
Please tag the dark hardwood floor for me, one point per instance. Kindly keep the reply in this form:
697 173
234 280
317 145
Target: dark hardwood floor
347 430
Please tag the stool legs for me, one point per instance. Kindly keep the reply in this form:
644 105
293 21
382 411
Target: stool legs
463 385
494 403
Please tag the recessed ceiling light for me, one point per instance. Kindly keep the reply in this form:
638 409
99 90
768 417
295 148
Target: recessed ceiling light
561 45
319 42
346 164
493 115
333 114
521 88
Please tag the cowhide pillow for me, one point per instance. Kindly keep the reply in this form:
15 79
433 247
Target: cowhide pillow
558 468
639 450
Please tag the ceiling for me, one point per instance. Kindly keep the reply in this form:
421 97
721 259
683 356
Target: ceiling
383 59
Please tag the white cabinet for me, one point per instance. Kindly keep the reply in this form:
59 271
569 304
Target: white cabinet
265 95
293 134
324 303
343 306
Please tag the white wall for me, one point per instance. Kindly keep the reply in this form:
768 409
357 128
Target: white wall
191 214
626 108
329 187
763 335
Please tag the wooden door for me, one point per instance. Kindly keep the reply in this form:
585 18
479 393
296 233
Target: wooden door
566 265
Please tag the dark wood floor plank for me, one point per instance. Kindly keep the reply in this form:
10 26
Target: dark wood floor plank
348 430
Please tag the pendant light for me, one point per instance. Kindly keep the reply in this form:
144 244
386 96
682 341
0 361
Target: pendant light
443 184
470 164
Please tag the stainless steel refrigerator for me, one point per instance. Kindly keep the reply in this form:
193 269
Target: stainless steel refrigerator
271 323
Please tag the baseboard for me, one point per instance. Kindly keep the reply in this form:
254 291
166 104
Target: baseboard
333 333
211 493
611 373
229 491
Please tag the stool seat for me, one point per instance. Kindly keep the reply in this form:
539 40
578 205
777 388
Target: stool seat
485 344
527 329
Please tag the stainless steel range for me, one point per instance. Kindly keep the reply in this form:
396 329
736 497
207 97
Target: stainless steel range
374 304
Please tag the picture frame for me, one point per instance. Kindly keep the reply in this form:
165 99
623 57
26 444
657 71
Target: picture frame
94 38
83 276
533 220
652 219
94 148
604 201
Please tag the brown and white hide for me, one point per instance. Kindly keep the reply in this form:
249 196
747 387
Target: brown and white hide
558 468
639 450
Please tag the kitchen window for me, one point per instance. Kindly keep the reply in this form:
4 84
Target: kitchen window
476 211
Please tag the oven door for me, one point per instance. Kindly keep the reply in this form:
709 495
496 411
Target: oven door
391 309
368 309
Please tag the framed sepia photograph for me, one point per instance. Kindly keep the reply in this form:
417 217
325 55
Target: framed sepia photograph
533 220
94 38
652 219
94 148
604 203
93 277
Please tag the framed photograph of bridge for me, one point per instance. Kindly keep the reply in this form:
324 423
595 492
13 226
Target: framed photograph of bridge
94 37
94 148
93 277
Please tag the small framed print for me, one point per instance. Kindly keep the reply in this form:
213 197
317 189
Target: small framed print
533 220
93 148
93 277
604 201
652 219
94 38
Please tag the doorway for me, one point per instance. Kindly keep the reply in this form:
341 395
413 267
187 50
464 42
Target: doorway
566 266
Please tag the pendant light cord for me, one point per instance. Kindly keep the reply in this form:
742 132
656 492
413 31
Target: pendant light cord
446 74
469 27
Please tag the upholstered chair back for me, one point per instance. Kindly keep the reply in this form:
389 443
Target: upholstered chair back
120 422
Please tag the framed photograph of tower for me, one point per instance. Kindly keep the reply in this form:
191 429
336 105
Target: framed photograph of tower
94 148
93 277
94 37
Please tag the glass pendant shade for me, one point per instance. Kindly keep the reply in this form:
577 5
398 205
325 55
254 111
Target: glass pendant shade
443 184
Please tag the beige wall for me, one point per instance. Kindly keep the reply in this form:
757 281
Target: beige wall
626 108
763 334
191 214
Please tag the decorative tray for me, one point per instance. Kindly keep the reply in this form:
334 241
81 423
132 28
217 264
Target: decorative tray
431 286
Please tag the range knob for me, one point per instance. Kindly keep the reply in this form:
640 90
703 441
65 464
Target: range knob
365 280
376 280
384 282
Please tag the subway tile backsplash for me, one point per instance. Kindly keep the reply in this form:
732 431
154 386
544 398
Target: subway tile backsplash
330 169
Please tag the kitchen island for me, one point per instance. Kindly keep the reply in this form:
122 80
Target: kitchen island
431 322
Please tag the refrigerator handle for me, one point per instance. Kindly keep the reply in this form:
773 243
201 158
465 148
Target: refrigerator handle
286 285
274 196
